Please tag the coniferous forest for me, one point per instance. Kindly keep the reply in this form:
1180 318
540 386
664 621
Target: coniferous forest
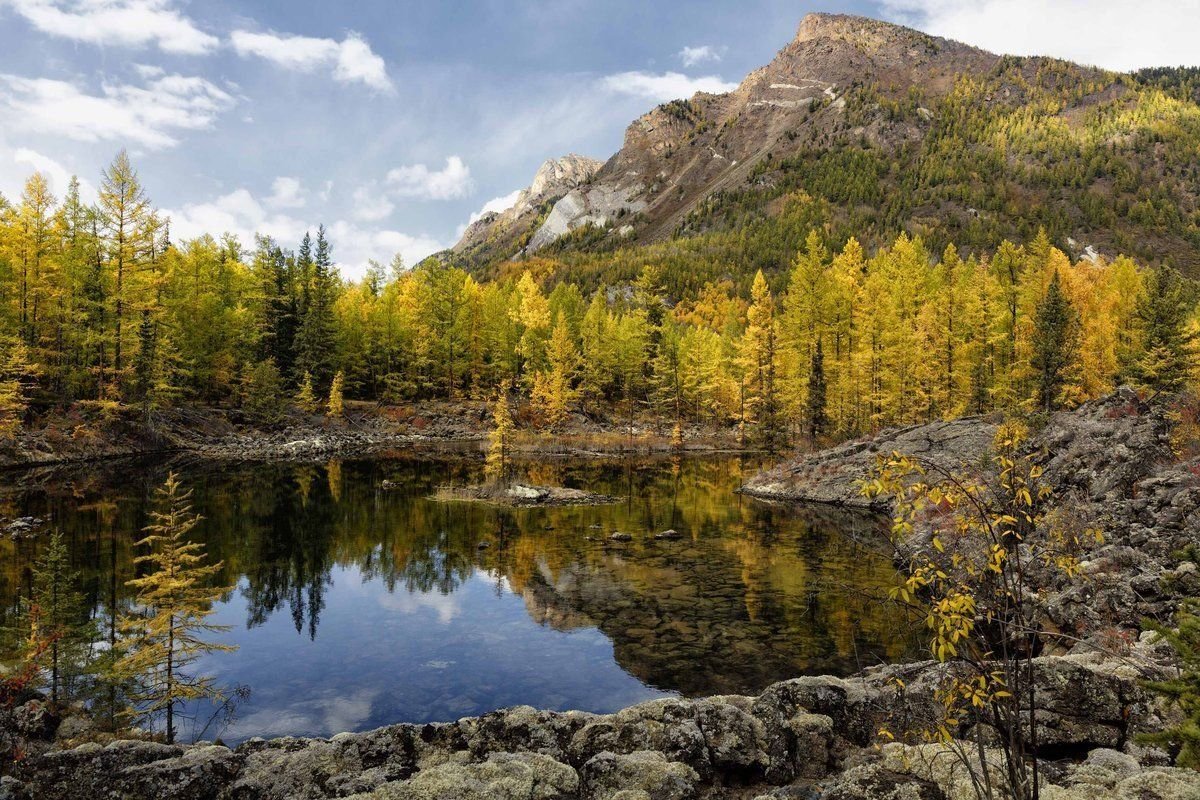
103 311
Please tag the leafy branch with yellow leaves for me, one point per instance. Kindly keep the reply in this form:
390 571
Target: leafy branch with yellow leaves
978 550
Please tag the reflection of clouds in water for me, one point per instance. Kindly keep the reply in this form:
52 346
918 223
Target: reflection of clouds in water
446 606
316 716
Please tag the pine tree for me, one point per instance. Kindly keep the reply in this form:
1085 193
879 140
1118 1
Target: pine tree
1055 339
499 457
166 639
1168 351
816 414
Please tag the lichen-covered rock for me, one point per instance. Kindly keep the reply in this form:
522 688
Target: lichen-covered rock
503 776
608 775
665 726
873 782
523 729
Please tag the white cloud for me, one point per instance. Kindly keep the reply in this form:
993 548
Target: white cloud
239 212
17 164
497 205
419 181
286 193
371 205
691 56
151 114
127 23
351 59
660 88
1107 33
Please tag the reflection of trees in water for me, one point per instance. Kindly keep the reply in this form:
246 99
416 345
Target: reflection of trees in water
749 594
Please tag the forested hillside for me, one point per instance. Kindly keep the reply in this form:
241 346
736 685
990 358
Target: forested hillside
102 314
878 130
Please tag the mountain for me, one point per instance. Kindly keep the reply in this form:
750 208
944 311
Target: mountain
865 128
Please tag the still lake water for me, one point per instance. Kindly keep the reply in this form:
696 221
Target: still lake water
357 607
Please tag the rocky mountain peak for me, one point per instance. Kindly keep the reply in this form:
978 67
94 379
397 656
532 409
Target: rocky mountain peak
559 175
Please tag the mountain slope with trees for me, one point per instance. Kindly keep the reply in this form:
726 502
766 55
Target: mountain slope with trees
877 130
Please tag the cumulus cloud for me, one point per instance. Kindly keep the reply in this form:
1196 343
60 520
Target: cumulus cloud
419 181
18 163
660 88
372 205
1106 33
497 205
127 23
350 60
691 56
286 193
241 213
151 114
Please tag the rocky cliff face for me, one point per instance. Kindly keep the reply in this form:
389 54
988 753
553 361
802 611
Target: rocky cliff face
682 152
498 231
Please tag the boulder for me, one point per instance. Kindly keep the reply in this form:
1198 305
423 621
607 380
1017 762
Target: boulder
608 776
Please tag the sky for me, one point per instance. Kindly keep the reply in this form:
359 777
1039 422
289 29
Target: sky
393 122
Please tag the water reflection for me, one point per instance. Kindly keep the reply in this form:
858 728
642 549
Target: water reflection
357 606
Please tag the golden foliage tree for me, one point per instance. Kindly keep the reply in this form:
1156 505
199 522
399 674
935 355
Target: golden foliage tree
498 466
165 639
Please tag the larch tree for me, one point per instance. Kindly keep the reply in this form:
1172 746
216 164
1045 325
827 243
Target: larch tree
336 405
759 357
816 415
129 229
498 466
167 638
553 388
55 614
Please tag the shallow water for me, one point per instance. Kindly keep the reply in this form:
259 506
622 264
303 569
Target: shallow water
357 607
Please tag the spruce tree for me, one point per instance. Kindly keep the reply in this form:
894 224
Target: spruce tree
1055 341
818 418
1162 315
263 397
315 340
1183 689
55 614
165 639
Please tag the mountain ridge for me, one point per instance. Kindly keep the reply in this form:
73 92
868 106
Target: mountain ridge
916 108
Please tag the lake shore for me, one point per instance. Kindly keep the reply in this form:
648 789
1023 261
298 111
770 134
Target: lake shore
1111 462
221 433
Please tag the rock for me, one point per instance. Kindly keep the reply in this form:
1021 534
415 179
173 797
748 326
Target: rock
504 776
873 782
669 535
13 789
484 545
35 720
666 726
621 537
607 776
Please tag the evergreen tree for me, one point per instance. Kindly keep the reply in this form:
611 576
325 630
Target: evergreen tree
316 339
818 418
1168 352
1183 689
166 638
55 614
1055 338
262 393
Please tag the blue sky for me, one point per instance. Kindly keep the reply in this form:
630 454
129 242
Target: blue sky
393 122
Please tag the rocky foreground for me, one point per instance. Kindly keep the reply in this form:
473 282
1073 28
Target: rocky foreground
809 737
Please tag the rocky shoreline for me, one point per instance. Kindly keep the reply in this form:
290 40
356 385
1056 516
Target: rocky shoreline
809 737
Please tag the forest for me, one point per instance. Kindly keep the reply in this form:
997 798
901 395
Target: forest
102 313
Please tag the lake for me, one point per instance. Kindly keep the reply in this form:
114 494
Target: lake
357 606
